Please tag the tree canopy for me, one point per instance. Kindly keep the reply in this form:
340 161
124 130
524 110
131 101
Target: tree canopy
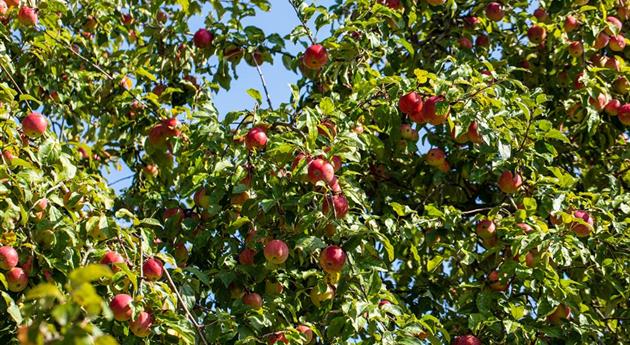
445 171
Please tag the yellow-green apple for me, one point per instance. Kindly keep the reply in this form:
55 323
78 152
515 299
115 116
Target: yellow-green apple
203 38
253 300
34 125
315 57
621 85
152 269
318 297
276 252
332 259
494 11
121 307
407 132
486 229
582 229
141 325
339 204
510 182
8 258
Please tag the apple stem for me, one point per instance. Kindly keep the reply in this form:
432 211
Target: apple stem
299 15
198 327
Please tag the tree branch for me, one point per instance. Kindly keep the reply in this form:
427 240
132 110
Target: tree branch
198 327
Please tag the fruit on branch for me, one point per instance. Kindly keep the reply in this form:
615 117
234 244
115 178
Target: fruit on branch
127 19
27 16
339 204
277 338
530 259
201 198
121 307
411 103
617 43
570 24
318 297
576 49
497 282
256 138
306 332
614 25
435 157
435 110
562 312
482 41
624 114
541 15
276 252
601 41
17 279
233 52
159 133
470 22
579 228
537 34
465 43
34 125
486 229
246 256
253 300
473 133
621 85
181 254
4 8
509 182
612 107
320 170
525 227
141 325
494 11
332 259
8 258
408 133
110 259
152 269
466 340
315 57
600 102
203 38
273 288
174 214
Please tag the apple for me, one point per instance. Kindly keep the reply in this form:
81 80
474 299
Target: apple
334 186
339 205
495 281
273 288
41 204
613 63
624 114
562 312
253 300
536 34
277 338
617 43
152 269
17 279
141 325
112 258
127 19
181 254
159 133
256 138
430 110
332 259
482 41
27 16
436 2
598 103
473 133
320 170
623 11
486 229
307 333
540 14
161 16
621 85
465 43
8 258
530 259
466 340
570 24
411 103
240 198
236 291
12 3
276 252
34 125
612 107
3 9
121 307
582 230
510 182
576 49
201 199
494 11
233 52
525 227
246 256
175 213
615 24
470 22
407 132
318 297
203 38
315 57
435 157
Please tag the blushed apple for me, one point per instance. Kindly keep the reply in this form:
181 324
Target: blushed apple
111 258
509 182
494 11
8 258
570 24
339 205
536 34
152 269
315 57
486 229
320 170
332 259
276 252
203 38
253 300
121 307
27 16
582 229
141 325
17 279
34 125
246 256
256 138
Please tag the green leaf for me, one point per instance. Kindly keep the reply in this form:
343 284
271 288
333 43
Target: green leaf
255 94
90 273
44 290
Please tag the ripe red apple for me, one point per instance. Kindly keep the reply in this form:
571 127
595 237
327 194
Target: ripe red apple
525 227
334 186
482 41
530 259
152 269
470 22
201 199
613 63
570 24
141 325
624 114
473 133
510 182
277 338
34 125
8 258
315 57
339 205
601 41
121 307
435 157
612 107
203 38
17 279
576 49
600 102
486 229
127 19
320 170
27 16
498 283
307 333
540 14
332 259
246 257
465 43
562 312
276 252
430 110
617 43
466 340
176 213
318 297
410 103
537 34
256 138
111 258
582 230
253 300
494 11
615 24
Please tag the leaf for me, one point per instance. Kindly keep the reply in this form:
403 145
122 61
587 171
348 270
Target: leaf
255 94
90 273
12 308
401 210
44 290
327 106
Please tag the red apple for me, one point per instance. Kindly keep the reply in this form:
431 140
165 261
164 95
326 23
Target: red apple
410 103
582 230
430 110
466 340
332 259
530 259
334 186
27 16
339 205
540 14
617 43
8 258
307 333
176 213
537 34
17 279
465 43
613 63
111 258
141 325
576 49
615 24
562 312
246 257
599 103
525 227
510 183
3 8
151 170
473 133
127 19
34 125
320 170
482 41
497 283
181 254
470 22
315 57
121 307
203 38
624 114
570 24
152 269
277 338
253 300
486 229
201 199
276 252
435 157
494 11
256 138
612 107
601 41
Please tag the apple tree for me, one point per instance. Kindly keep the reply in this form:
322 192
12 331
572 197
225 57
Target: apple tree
444 172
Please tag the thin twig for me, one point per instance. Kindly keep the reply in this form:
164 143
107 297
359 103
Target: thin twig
120 180
299 15
16 85
181 301
264 83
